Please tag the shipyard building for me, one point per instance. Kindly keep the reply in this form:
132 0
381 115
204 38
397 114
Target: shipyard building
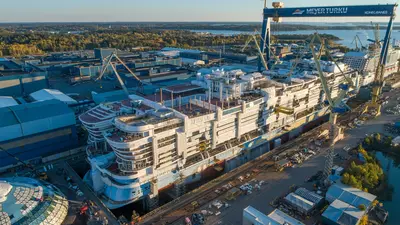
252 216
34 130
20 79
345 205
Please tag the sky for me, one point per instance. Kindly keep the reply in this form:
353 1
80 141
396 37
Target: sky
148 10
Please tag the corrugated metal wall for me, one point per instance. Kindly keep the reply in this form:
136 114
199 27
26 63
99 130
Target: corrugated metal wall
39 145
17 85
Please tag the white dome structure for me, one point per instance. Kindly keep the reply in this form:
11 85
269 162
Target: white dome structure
27 201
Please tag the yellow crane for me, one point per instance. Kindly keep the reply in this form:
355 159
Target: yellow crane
373 107
336 105
253 37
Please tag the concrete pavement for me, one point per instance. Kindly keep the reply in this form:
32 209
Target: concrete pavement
89 194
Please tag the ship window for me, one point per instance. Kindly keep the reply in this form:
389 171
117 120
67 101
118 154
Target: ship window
195 133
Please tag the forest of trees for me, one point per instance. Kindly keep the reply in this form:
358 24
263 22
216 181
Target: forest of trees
16 43
366 176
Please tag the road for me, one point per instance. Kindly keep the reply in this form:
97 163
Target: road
90 195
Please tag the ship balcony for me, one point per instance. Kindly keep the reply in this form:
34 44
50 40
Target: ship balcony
92 151
93 138
97 133
121 140
99 126
132 124
112 170
96 117
131 156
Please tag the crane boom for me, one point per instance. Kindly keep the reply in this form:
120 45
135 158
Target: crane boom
377 85
119 79
260 53
108 60
335 105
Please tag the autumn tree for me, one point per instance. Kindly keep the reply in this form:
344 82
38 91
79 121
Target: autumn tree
378 137
364 220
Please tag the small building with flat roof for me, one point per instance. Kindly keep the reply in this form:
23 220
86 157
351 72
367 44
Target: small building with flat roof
303 200
350 195
252 216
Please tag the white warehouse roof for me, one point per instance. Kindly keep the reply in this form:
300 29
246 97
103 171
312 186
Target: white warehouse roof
192 61
6 101
49 94
277 217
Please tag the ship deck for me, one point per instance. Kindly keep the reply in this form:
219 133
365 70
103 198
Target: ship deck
143 120
192 110
128 103
120 136
180 88
96 115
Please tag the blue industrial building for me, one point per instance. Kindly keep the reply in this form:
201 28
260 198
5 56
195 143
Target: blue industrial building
35 130
345 205
101 53
20 80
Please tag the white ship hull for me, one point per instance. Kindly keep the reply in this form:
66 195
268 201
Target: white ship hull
239 117
230 159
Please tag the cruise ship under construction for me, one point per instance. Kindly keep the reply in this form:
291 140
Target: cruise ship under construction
189 132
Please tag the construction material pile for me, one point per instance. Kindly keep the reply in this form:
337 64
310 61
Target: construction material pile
395 110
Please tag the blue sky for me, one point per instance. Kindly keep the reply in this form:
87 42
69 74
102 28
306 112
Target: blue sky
147 10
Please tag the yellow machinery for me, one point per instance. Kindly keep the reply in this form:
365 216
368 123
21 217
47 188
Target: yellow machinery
260 54
335 105
233 193
374 107
194 205
135 217
284 110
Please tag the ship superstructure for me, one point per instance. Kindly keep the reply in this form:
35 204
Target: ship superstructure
366 63
98 120
158 144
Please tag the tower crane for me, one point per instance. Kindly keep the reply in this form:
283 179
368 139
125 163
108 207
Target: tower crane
107 61
373 106
336 105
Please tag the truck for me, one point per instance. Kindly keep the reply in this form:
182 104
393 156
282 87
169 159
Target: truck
233 193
